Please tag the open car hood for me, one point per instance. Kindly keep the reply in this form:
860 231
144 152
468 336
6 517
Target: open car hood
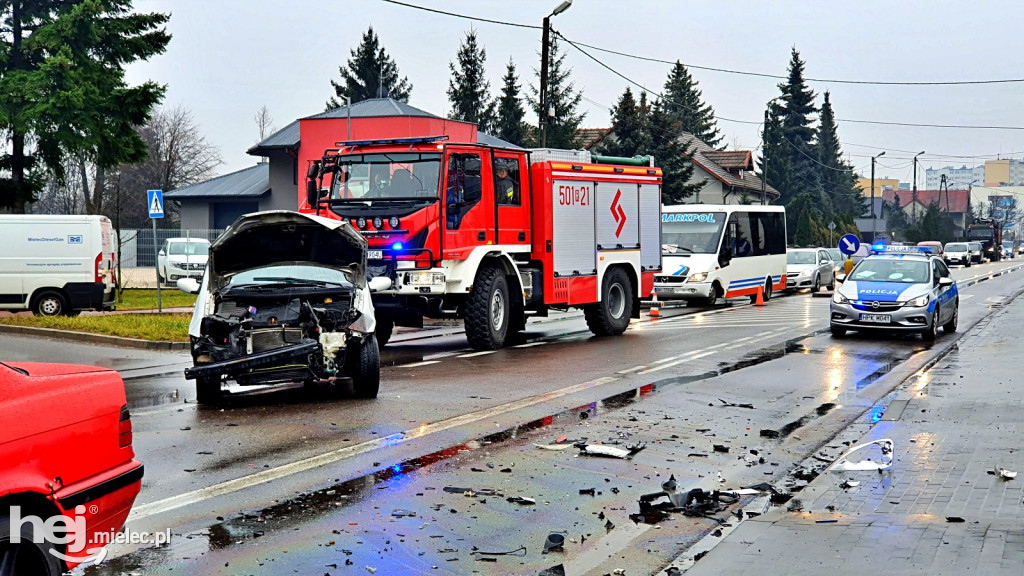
284 237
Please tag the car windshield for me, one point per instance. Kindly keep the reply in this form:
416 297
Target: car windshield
892 270
975 245
956 247
289 274
836 254
692 233
800 258
386 176
188 248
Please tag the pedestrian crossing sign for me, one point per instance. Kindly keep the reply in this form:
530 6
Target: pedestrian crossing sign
156 203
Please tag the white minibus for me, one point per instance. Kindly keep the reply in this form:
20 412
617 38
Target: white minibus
715 251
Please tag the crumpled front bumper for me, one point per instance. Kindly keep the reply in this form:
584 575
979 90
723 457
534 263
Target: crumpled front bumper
278 356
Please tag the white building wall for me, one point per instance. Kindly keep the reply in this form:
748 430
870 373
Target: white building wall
956 178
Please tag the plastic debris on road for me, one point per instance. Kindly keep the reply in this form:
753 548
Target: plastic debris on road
610 451
1003 473
884 461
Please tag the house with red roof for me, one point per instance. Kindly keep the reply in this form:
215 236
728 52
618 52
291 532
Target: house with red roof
915 204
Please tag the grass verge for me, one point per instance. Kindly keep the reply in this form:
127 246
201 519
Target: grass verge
155 327
140 299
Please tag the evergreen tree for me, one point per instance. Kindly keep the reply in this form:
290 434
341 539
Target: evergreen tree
683 102
563 98
628 124
64 95
370 73
804 234
896 217
774 165
672 156
798 137
508 124
468 88
837 181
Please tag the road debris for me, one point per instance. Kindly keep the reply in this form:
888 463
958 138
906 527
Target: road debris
521 500
521 551
554 541
557 570
954 519
1003 473
553 446
884 461
610 451
734 405
849 484
721 448
695 502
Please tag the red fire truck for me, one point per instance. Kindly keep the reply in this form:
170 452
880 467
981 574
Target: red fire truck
494 235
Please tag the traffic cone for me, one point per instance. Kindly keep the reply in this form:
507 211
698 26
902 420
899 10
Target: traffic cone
760 298
655 309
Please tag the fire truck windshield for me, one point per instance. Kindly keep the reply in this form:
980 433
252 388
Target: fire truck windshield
387 176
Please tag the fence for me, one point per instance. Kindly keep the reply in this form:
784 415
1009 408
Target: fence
138 246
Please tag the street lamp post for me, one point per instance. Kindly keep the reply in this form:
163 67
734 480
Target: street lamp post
914 196
545 43
874 215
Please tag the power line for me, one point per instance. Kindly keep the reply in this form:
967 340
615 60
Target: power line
957 126
712 68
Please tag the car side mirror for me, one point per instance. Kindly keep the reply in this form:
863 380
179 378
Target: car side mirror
188 285
945 282
378 283
161 253
841 277
725 257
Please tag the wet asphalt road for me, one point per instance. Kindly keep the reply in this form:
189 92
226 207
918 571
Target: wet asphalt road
321 476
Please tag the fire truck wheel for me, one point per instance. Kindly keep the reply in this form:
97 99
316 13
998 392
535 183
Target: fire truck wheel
488 311
385 326
365 360
611 315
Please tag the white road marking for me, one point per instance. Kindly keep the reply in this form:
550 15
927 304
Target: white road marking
475 354
669 359
530 344
631 370
141 511
670 364
418 364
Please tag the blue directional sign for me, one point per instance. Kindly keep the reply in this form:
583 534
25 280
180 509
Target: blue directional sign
849 244
155 200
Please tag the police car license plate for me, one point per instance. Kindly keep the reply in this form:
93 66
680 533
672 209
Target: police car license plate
374 254
876 318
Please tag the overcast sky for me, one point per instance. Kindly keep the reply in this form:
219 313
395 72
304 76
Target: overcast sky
227 58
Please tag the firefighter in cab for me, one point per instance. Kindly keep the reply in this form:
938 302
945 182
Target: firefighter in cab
506 186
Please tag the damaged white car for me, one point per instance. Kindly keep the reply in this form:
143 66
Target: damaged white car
284 299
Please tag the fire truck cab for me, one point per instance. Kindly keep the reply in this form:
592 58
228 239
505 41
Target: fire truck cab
494 235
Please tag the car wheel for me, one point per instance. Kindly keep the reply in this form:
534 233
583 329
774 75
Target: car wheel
26 557
817 285
49 303
929 333
365 369
712 300
838 331
385 327
208 390
488 311
766 292
611 315
950 327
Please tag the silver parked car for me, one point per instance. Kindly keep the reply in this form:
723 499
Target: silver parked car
809 268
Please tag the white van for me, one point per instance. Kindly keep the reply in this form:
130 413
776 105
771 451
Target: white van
715 251
56 265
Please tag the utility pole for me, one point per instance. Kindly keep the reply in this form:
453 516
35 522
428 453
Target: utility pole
545 47
914 209
764 156
874 215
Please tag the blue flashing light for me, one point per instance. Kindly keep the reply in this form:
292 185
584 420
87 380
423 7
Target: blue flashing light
397 468
878 247
396 246
876 416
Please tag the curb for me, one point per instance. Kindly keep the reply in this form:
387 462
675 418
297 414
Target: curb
93 338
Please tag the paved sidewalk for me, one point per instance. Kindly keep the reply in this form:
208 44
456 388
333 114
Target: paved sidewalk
951 426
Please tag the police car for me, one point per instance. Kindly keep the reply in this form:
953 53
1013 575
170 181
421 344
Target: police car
900 288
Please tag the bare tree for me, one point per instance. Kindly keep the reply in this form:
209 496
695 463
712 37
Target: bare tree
179 155
264 122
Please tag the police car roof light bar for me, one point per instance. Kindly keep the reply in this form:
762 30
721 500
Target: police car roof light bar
883 249
387 141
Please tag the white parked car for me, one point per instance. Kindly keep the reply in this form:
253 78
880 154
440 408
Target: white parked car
809 268
182 258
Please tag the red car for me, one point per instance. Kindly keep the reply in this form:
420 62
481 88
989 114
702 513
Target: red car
66 445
